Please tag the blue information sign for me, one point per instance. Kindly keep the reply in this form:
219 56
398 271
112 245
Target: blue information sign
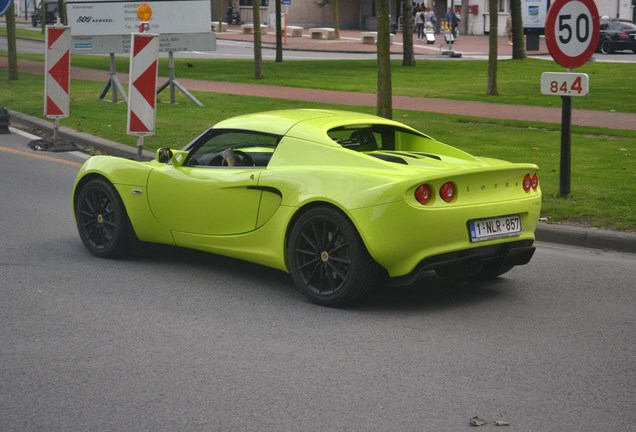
285 2
4 5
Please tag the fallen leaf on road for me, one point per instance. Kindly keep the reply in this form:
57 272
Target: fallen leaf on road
476 421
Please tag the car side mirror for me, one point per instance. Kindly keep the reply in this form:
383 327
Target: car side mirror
164 154
176 157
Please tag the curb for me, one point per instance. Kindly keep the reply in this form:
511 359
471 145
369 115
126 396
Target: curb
587 237
562 234
39 126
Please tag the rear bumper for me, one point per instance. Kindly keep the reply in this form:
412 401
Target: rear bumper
471 261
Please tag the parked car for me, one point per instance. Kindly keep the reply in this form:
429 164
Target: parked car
617 35
50 8
343 201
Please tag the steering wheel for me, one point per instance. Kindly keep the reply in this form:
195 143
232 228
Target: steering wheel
242 159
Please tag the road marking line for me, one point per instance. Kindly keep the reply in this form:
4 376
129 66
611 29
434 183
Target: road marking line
40 156
24 134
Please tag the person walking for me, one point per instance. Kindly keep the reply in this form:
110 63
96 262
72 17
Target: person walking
509 29
453 21
419 23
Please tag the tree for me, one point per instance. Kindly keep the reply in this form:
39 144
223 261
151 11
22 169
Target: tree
518 49
336 17
220 28
492 49
279 34
384 106
11 41
408 56
61 11
258 55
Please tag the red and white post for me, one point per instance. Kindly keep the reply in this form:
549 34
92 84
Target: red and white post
142 95
58 78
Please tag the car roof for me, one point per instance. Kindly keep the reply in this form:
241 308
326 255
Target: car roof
279 122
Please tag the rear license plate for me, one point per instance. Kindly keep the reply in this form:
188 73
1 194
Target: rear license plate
486 229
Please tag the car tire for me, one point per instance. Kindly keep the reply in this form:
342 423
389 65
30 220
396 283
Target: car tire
102 221
606 47
328 260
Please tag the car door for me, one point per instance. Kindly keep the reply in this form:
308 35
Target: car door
205 197
205 200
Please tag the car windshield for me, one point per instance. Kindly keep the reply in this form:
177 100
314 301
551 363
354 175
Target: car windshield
369 137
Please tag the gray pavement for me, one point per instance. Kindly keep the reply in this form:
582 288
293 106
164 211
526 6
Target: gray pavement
562 234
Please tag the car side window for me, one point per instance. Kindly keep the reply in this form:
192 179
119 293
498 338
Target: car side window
233 149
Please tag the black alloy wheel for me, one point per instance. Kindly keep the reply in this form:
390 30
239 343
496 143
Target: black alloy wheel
328 260
102 221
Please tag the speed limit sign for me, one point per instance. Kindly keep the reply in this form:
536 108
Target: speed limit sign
572 31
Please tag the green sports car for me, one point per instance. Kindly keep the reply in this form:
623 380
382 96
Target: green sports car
340 200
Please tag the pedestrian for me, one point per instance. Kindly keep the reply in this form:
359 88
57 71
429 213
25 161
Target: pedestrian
429 19
453 21
509 29
419 23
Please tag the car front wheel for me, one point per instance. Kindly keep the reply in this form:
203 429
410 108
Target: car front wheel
328 260
606 47
102 221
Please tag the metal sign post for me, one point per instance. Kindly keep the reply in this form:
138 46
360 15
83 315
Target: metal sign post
571 34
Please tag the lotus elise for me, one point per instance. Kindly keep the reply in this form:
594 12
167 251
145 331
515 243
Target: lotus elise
340 200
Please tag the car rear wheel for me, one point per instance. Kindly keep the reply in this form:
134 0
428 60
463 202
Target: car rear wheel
606 47
328 260
102 221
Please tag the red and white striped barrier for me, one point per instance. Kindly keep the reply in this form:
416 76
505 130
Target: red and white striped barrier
142 94
58 65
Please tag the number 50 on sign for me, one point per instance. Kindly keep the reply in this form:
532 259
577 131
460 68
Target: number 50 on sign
564 84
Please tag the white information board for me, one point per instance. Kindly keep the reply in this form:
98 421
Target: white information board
115 17
533 13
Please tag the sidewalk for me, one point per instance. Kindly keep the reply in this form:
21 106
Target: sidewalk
351 42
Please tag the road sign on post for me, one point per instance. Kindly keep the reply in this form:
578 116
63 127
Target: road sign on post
142 97
57 81
4 5
571 34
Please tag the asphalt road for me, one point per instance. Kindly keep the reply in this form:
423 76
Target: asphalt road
176 340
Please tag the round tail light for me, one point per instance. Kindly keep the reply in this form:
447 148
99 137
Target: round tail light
527 183
423 194
448 191
534 181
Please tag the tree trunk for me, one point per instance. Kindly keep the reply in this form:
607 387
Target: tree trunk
279 34
258 54
220 28
384 102
408 56
11 43
336 18
61 11
492 49
518 49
